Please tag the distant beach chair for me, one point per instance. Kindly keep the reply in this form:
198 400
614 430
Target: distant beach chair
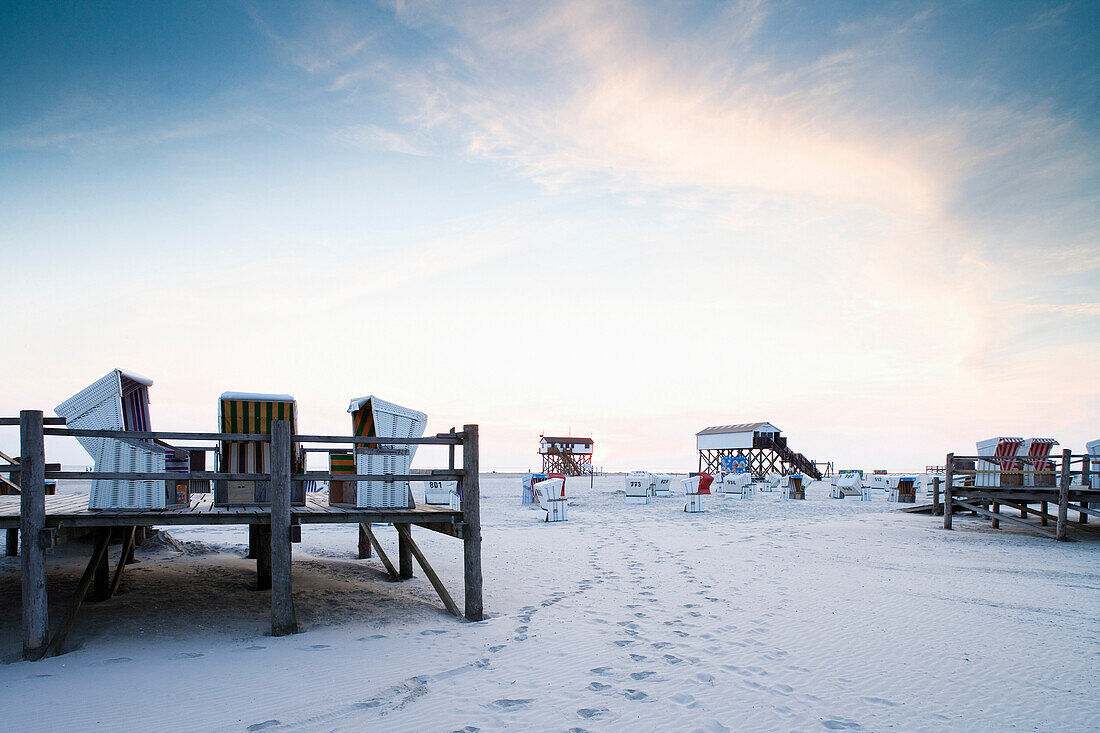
905 490
528 495
793 487
637 487
1093 449
738 485
373 417
1038 468
772 481
442 493
695 488
998 465
663 485
252 413
849 484
120 401
551 496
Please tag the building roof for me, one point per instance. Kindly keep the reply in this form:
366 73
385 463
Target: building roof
746 427
548 439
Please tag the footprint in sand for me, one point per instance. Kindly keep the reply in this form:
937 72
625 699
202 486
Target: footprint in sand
600 670
624 642
634 695
590 713
506 703
186 655
266 724
598 686
641 675
433 632
881 701
118 660
840 724
497 648
313 647
368 704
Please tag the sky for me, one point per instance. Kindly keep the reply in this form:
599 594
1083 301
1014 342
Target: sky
874 224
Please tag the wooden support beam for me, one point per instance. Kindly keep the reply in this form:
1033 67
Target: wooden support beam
982 511
123 559
1063 498
102 540
364 543
11 548
404 532
253 541
1044 514
948 507
101 588
32 525
937 508
996 512
1086 481
263 556
365 529
471 518
283 619
404 553
1084 508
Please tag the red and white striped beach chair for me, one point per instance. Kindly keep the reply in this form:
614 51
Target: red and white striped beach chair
1038 468
999 466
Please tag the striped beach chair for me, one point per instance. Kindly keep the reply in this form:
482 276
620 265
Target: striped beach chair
793 486
120 401
1038 468
252 413
374 417
341 492
695 488
998 465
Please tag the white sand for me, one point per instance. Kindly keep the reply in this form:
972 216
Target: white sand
761 615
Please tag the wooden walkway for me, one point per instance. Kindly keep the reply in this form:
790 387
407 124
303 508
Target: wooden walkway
71 510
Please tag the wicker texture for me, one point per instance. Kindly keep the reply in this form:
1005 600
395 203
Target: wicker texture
374 417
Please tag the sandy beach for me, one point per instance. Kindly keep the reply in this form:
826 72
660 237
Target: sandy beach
757 615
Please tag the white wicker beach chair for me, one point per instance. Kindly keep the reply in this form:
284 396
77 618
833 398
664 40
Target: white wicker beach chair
637 487
738 485
374 417
551 496
793 487
695 489
849 484
442 493
773 481
663 486
120 401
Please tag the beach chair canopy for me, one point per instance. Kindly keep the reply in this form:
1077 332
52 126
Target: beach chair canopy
117 401
1037 450
550 489
1002 450
705 480
374 417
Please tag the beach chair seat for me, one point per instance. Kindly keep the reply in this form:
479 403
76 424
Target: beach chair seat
793 487
442 493
552 499
663 486
637 487
738 485
252 413
373 417
905 491
695 489
773 481
120 401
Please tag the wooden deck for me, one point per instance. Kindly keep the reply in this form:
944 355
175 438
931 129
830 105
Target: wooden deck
71 510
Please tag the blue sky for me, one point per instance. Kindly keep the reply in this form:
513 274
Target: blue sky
873 224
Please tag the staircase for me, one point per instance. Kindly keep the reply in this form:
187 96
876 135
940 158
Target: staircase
572 468
796 460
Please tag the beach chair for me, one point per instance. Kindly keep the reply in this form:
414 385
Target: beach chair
695 488
663 485
442 493
252 413
637 487
905 490
372 417
738 485
551 497
998 465
341 461
772 481
1038 468
793 487
1093 449
528 494
849 484
120 401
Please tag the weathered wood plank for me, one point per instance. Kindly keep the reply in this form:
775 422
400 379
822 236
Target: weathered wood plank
977 509
81 590
283 619
406 534
471 524
404 552
32 509
366 528
1063 498
127 549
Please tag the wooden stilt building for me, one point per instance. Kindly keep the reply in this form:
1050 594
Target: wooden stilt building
759 442
568 456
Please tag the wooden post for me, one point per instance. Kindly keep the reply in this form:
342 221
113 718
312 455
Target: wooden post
1086 481
101 587
12 548
996 510
471 519
32 525
403 532
936 507
124 559
404 552
365 528
1045 507
364 542
100 551
253 541
263 555
1063 499
948 485
283 620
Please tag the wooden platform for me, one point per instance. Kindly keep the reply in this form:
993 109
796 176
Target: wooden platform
71 510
